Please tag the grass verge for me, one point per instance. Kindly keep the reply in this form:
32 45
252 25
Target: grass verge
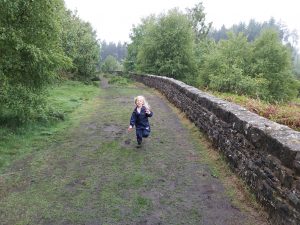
66 100
88 177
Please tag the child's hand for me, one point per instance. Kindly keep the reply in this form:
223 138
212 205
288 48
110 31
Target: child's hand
129 128
148 111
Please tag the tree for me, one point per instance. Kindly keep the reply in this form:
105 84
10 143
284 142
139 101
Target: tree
218 35
273 62
137 36
226 67
119 50
196 16
167 47
108 49
31 53
297 66
259 69
110 64
253 29
81 46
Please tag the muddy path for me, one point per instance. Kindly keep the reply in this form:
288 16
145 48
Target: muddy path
97 176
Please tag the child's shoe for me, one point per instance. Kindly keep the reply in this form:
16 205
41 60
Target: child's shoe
139 144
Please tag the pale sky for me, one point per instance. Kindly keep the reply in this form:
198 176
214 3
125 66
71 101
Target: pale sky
113 19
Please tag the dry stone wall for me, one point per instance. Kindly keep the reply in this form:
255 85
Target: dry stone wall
265 154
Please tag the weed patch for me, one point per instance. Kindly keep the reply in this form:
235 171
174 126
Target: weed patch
119 80
283 113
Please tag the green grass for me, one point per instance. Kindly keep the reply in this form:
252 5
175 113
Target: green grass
119 80
110 180
69 96
65 99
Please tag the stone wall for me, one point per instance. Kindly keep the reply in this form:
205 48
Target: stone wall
265 154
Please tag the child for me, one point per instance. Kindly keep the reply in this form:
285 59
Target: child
139 119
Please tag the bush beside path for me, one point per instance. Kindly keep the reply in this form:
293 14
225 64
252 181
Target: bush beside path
96 175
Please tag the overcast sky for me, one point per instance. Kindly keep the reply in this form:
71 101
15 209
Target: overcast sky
113 19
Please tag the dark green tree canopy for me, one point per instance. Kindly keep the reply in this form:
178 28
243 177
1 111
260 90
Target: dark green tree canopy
39 40
164 45
196 16
31 53
80 44
260 69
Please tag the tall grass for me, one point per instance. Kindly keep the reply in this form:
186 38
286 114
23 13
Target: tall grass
283 113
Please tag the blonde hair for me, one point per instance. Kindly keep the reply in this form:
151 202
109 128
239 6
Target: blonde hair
146 104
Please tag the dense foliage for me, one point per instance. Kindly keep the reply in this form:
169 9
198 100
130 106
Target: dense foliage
137 35
260 69
81 46
164 45
31 53
110 64
35 48
254 60
252 31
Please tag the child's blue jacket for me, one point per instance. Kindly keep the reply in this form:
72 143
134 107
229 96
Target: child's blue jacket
140 120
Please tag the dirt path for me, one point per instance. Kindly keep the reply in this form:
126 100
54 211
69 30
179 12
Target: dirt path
96 175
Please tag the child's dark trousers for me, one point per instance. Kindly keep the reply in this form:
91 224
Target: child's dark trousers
140 133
